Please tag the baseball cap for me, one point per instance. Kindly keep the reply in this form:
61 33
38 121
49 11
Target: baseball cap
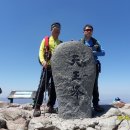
56 25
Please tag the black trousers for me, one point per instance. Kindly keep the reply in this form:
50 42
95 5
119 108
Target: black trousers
95 89
46 76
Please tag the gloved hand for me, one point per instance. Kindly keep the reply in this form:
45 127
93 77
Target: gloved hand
44 64
96 47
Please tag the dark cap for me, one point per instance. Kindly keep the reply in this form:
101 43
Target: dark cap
88 25
56 25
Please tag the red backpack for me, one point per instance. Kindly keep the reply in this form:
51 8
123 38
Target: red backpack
47 52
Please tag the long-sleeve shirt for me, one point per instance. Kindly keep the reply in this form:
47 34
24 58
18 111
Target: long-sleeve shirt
52 45
95 52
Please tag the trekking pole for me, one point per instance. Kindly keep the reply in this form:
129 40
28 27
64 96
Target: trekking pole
39 89
46 56
46 59
45 88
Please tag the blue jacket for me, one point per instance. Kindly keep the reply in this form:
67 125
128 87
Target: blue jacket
95 46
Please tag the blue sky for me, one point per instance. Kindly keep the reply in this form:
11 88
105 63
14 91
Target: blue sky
23 24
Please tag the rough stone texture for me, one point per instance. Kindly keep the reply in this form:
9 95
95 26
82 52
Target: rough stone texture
2 123
73 71
23 120
125 125
113 112
15 117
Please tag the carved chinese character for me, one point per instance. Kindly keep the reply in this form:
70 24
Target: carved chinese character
76 76
76 92
78 61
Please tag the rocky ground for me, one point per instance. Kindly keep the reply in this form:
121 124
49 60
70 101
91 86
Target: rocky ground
19 117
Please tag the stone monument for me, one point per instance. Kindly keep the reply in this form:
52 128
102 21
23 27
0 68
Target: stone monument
74 71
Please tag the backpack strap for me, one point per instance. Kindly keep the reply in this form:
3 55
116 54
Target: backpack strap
46 44
46 48
47 53
95 42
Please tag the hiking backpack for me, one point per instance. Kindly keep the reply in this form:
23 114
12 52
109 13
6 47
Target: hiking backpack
47 52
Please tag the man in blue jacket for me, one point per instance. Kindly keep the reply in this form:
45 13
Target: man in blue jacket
91 42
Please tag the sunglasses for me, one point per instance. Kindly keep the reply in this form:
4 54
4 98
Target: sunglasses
88 30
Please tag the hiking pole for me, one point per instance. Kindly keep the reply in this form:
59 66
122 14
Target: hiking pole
46 56
45 87
39 89
44 74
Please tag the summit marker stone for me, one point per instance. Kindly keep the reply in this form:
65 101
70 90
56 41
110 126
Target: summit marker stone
74 72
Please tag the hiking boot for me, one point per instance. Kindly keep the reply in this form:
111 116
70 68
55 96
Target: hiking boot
51 110
37 111
97 108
